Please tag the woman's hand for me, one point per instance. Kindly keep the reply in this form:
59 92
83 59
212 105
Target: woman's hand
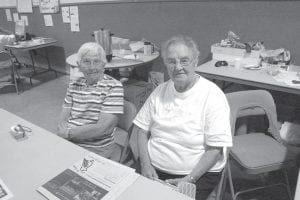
62 129
175 181
149 171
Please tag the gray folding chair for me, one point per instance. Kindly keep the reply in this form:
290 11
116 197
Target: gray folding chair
257 153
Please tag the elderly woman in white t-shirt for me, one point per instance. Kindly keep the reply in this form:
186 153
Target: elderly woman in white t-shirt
184 126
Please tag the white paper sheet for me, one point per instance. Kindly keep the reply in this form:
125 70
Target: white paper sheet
8 15
135 46
15 17
25 19
74 19
65 12
35 2
49 6
24 6
48 20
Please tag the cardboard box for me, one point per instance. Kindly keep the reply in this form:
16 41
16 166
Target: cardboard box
137 92
230 54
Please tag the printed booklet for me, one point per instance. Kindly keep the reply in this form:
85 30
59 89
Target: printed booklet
92 178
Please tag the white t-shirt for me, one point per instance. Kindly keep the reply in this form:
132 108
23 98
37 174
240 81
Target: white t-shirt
182 124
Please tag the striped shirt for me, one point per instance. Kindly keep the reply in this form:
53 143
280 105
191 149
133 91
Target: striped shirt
88 101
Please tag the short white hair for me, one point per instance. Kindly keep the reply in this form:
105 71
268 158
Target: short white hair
91 48
180 39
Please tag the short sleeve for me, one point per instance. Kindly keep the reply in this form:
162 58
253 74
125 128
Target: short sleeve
144 118
217 121
114 101
68 98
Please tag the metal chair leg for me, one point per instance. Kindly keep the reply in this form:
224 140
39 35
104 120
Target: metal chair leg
235 195
222 185
14 73
230 181
15 79
288 188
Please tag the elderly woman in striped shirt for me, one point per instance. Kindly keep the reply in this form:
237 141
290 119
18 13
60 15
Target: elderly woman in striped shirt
92 104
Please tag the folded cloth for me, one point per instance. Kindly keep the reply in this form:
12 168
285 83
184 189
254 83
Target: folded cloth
289 132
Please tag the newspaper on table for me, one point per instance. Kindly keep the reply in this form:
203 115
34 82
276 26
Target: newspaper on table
93 178
5 193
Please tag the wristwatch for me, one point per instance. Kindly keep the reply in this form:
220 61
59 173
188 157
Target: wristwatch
191 179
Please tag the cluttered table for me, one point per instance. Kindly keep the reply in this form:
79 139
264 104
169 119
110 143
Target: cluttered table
252 64
120 60
284 81
35 158
123 59
30 46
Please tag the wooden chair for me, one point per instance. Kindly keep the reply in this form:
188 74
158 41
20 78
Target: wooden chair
257 153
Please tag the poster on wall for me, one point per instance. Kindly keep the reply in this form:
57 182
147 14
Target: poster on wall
65 12
49 6
35 2
24 6
15 17
74 18
8 15
48 20
25 19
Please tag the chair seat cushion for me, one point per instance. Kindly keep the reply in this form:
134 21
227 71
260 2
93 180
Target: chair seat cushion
258 153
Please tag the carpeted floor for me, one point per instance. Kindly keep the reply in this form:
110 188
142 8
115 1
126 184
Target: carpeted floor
39 103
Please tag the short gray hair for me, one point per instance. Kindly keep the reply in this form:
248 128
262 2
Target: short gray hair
91 47
181 39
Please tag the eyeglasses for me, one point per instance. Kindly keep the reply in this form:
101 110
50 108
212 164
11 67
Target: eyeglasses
184 62
90 62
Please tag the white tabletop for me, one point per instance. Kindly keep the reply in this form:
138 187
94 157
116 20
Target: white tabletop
256 78
28 164
32 44
118 61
